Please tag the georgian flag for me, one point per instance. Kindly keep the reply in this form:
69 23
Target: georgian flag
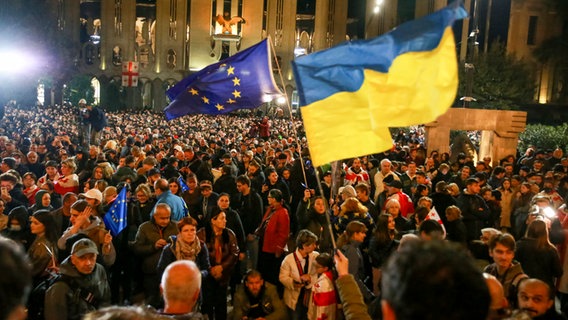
433 215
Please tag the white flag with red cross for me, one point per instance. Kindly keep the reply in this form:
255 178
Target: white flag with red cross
130 74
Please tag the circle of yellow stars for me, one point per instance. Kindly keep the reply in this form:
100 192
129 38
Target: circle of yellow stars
235 94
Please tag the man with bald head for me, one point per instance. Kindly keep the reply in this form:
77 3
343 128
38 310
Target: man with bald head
176 203
536 299
180 287
498 309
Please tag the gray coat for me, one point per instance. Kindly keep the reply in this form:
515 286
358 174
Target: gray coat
63 300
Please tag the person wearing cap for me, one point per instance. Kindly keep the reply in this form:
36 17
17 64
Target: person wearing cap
83 286
475 211
84 224
394 191
176 203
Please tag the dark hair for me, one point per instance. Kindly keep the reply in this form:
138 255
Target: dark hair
382 234
251 273
276 194
15 278
48 222
504 239
363 187
423 267
325 260
432 228
352 227
186 221
80 205
305 237
243 179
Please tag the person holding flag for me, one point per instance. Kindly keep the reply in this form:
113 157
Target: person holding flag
116 221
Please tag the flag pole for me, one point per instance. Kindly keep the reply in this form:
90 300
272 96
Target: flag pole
320 188
273 50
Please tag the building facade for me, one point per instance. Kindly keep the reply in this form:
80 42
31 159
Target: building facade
169 39
531 24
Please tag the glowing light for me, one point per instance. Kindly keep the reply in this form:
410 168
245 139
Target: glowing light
376 9
16 62
281 100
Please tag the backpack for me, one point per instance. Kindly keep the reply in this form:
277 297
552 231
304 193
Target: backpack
36 300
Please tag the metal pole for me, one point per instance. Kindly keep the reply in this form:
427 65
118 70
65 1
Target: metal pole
487 26
471 58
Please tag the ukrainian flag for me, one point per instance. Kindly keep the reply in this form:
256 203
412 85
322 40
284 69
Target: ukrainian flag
354 92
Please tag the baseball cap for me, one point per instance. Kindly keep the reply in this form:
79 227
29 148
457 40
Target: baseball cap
93 194
84 246
205 183
395 184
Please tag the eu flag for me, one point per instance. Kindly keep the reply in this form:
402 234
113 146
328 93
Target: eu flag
183 185
241 81
115 218
352 93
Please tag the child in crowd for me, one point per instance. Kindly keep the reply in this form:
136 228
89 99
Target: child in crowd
324 303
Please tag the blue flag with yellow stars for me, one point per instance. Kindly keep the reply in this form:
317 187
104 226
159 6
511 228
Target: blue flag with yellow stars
115 218
242 81
182 184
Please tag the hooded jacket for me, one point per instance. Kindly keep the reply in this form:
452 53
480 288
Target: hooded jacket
64 299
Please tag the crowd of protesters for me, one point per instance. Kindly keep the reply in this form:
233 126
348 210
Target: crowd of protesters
238 196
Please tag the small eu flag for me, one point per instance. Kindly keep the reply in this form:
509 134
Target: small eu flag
184 187
241 81
115 218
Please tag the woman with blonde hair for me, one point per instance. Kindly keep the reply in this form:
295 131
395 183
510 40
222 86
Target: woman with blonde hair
349 242
352 210
68 181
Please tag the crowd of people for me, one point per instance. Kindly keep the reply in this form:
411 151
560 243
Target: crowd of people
231 209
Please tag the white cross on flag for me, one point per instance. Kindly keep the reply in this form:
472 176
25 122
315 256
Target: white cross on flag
433 215
130 74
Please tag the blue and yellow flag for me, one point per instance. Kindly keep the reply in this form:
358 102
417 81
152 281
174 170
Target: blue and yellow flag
241 81
354 92
184 187
115 218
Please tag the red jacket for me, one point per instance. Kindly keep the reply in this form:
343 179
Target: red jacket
276 232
